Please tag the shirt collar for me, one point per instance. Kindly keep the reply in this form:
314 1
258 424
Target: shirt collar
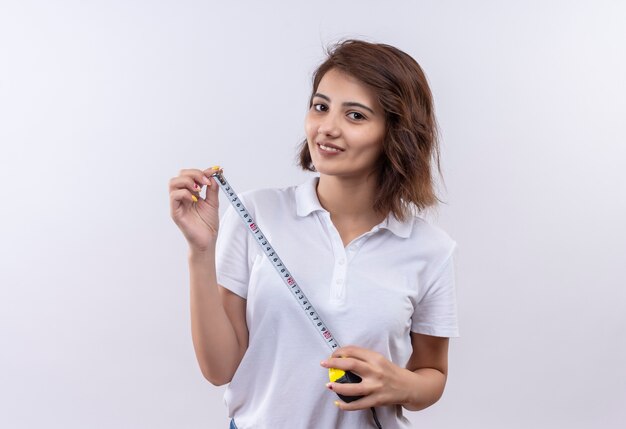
400 228
306 198
307 203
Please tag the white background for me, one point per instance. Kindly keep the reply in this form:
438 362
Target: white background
101 102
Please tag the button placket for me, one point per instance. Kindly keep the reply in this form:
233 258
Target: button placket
339 287
339 273
338 281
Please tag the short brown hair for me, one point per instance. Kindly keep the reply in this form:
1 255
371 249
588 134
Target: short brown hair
410 146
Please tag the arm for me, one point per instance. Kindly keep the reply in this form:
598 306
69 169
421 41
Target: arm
218 324
218 321
428 368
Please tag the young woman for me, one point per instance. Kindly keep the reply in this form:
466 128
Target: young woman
380 277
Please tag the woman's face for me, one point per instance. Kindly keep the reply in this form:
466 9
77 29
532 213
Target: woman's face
345 127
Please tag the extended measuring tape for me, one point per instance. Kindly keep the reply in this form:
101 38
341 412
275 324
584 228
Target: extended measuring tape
334 374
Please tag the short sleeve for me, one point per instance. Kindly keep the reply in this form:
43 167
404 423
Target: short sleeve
231 259
436 312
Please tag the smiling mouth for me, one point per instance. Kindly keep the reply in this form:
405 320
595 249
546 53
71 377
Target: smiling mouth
329 148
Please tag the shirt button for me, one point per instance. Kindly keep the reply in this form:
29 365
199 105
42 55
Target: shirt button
339 281
342 261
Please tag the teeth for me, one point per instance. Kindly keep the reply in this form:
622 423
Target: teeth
329 149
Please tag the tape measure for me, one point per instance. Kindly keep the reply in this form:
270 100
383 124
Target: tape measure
334 374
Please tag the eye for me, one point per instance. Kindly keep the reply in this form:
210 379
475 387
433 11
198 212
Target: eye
356 116
320 107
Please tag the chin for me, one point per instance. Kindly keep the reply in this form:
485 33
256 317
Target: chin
338 172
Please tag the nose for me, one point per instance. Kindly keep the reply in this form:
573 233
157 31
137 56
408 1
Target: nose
329 126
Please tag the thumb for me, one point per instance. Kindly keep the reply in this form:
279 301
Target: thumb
212 191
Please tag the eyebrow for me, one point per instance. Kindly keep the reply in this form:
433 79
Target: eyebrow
346 104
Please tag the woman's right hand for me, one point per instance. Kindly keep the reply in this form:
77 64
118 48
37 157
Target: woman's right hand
198 220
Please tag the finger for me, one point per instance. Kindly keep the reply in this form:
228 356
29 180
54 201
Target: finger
346 364
216 169
354 352
200 176
181 197
189 185
349 389
360 404
210 172
192 183
212 191
196 174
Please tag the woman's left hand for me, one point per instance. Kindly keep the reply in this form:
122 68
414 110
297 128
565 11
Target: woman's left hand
383 382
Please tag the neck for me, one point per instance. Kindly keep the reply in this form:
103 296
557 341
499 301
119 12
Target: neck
349 199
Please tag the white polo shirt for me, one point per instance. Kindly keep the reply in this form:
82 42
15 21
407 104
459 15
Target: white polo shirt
394 279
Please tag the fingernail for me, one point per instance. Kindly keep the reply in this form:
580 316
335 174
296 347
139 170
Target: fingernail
194 198
215 167
195 186
323 363
336 403
330 386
